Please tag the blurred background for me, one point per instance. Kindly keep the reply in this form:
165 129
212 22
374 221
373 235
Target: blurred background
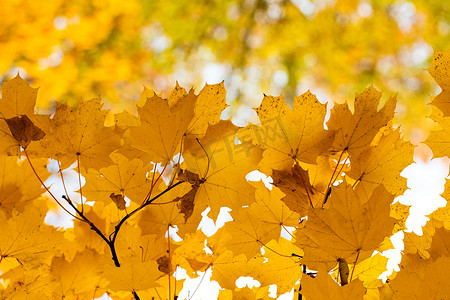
82 49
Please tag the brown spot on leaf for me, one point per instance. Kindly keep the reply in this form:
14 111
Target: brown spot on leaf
188 176
23 130
118 200
300 194
163 264
186 205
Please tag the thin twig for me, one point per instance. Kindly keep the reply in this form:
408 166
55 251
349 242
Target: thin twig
62 180
115 232
135 295
79 181
307 191
98 231
335 169
170 263
153 185
206 153
80 213
332 179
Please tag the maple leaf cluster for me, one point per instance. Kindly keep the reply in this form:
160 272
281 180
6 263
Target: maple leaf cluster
151 175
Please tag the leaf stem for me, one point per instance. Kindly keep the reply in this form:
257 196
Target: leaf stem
307 191
62 180
79 181
153 185
276 252
135 295
335 169
332 179
198 284
170 262
283 226
354 265
43 184
206 153
153 178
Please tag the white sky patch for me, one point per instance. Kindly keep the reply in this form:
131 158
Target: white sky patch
208 226
426 181
200 288
394 255
257 176
247 281
61 218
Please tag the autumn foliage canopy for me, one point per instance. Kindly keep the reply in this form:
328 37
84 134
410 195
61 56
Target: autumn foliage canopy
310 188
151 175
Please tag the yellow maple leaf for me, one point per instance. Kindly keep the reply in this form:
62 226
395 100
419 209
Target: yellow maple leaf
324 287
228 268
440 68
289 135
8 144
165 213
370 269
355 131
84 236
440 245
17 124
27 239
438 140
123 178
133 275
222 166
420 244
422 279
382 164
18 98
162 127
79 135
351 229
26 283
300 193
79 276
279 265
191 255
208 108
245 293
17 182
275 214
248 233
